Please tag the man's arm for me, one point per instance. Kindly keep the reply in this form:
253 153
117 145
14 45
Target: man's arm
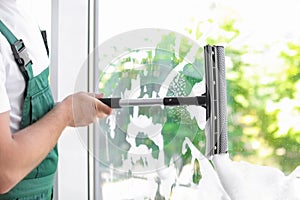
23 151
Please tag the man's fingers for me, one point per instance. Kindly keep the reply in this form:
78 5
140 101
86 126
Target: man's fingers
99 96
102 109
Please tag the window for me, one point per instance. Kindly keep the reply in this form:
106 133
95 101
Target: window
262 90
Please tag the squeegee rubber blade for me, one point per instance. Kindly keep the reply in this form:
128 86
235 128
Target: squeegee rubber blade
216 112
223 135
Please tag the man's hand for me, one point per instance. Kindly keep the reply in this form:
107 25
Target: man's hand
85 108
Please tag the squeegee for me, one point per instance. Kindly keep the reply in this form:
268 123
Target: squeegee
214 100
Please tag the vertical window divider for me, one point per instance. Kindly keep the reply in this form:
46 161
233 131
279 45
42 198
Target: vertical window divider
94 189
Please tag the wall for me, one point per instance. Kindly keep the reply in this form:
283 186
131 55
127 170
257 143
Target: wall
69 49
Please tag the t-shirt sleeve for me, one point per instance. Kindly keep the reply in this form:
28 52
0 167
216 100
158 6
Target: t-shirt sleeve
4 101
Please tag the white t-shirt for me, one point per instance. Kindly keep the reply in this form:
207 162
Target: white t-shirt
12 84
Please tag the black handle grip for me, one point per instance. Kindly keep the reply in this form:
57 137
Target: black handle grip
177 101
111 102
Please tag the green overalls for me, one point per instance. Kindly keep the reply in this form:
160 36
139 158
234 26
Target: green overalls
38 101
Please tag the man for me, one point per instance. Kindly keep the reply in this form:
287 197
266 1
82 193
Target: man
30 123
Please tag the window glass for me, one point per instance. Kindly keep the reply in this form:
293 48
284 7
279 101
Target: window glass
141 147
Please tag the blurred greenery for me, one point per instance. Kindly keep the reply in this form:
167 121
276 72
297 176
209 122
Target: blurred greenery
263 101
197 174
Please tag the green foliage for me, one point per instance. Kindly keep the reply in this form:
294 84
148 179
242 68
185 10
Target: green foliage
256 133
292 71
197 174
142 139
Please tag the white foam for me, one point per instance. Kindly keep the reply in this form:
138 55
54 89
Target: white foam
235 180
209 186
243 180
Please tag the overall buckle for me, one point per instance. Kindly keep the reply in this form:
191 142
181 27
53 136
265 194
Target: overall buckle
20 54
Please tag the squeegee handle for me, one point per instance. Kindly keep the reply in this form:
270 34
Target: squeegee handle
111 102
167 101
178 101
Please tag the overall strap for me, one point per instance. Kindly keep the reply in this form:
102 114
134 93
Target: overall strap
44 35
19 52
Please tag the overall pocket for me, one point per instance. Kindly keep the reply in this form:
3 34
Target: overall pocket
41 103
